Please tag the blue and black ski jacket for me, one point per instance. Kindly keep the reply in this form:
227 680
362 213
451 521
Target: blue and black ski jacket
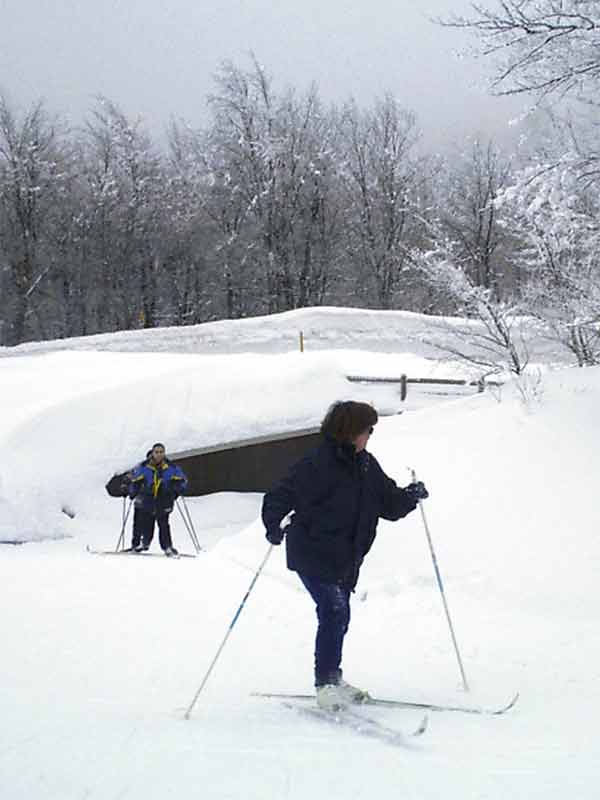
155 487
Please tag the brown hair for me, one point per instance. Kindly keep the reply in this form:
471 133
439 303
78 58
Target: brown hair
345 421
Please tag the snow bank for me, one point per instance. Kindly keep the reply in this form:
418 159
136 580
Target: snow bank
72 419
323 328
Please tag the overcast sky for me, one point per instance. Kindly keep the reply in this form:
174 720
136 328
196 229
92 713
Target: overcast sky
156 58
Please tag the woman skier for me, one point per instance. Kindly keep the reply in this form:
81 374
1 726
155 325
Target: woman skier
337 494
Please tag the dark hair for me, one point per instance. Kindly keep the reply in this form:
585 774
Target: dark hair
345 421
157 444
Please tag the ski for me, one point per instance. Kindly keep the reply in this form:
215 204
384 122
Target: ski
376 701
358 723
128 551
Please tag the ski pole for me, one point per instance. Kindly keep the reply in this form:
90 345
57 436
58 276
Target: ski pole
191 521
189 524
231 626
441 587
121 542
185 522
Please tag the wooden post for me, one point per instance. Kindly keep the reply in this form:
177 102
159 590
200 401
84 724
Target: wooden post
301 342
403 386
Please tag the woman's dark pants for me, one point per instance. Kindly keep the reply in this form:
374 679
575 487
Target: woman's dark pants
333 614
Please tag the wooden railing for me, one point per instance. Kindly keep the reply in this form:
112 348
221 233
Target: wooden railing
403 380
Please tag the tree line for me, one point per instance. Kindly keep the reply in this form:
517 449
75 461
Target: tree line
281 202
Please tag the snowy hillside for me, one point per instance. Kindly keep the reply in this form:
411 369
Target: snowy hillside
101 655
322 329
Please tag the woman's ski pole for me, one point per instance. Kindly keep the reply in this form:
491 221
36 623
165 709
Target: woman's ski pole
440 584
231 626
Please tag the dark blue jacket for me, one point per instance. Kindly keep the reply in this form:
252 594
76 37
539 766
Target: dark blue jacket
155 488
337 496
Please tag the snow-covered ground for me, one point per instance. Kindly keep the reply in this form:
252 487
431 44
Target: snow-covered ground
322 328
101 655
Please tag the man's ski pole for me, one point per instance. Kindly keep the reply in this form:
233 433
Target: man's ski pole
441 586
231 626
187 521
121 542
191 524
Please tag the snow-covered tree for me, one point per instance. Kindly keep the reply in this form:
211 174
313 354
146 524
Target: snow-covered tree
467 186
125 183
33 173
542 47
493 334
189 262
558 221
383 178
273 174
467 260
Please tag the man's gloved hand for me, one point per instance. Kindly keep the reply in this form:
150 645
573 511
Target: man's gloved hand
275 535
417 490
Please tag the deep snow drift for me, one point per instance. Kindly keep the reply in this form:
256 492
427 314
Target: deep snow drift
101 655
75 418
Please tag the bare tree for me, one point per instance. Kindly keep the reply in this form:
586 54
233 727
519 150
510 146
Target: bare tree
71 276
189 243
543 47
126 182
207 174
382 176
467 191
273 173
31 176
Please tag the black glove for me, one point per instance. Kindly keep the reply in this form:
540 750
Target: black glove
275 535
417 490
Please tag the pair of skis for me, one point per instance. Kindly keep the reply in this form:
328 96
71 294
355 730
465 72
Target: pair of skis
360 723
367 726
129 551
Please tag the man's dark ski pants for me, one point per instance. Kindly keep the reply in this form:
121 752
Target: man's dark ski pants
143 527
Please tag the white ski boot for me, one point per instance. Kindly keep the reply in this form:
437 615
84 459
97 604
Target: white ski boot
352 693
331 697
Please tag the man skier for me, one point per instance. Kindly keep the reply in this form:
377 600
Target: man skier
155 485
338 492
